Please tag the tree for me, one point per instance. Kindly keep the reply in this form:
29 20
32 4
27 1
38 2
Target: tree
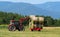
48 21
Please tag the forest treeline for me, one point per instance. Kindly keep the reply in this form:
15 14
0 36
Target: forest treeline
5 17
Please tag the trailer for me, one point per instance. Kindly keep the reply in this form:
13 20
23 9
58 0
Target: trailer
36 23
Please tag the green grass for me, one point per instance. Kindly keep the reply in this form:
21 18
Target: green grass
46 32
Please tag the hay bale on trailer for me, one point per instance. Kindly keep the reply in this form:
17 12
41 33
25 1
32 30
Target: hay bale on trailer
36 20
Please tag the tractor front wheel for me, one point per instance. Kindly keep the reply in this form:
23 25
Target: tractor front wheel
12 28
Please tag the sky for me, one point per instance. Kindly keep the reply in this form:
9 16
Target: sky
32 1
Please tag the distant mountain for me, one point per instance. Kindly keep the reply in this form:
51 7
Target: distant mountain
47 9
23 8
53 7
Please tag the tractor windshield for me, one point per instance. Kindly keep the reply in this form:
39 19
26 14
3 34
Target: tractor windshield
16 22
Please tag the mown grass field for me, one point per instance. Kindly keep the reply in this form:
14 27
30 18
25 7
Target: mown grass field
46 32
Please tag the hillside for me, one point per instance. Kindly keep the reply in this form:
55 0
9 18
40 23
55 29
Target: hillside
23 8
47 9
53 7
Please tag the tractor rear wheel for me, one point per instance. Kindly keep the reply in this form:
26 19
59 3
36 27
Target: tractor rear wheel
21 29
12 28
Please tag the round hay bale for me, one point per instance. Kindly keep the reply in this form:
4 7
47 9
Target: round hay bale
41 19
33 17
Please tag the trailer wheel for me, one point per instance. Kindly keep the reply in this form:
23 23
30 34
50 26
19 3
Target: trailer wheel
31 29
12 28
39 30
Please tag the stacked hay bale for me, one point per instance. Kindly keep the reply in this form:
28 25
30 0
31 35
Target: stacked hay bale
34 18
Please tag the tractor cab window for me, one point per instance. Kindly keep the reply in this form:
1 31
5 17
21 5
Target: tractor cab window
16 22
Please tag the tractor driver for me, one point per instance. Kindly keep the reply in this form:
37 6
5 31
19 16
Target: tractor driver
11 22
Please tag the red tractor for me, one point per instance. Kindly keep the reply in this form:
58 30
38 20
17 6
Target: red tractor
17 25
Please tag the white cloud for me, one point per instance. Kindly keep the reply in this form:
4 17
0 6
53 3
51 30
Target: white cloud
32 1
